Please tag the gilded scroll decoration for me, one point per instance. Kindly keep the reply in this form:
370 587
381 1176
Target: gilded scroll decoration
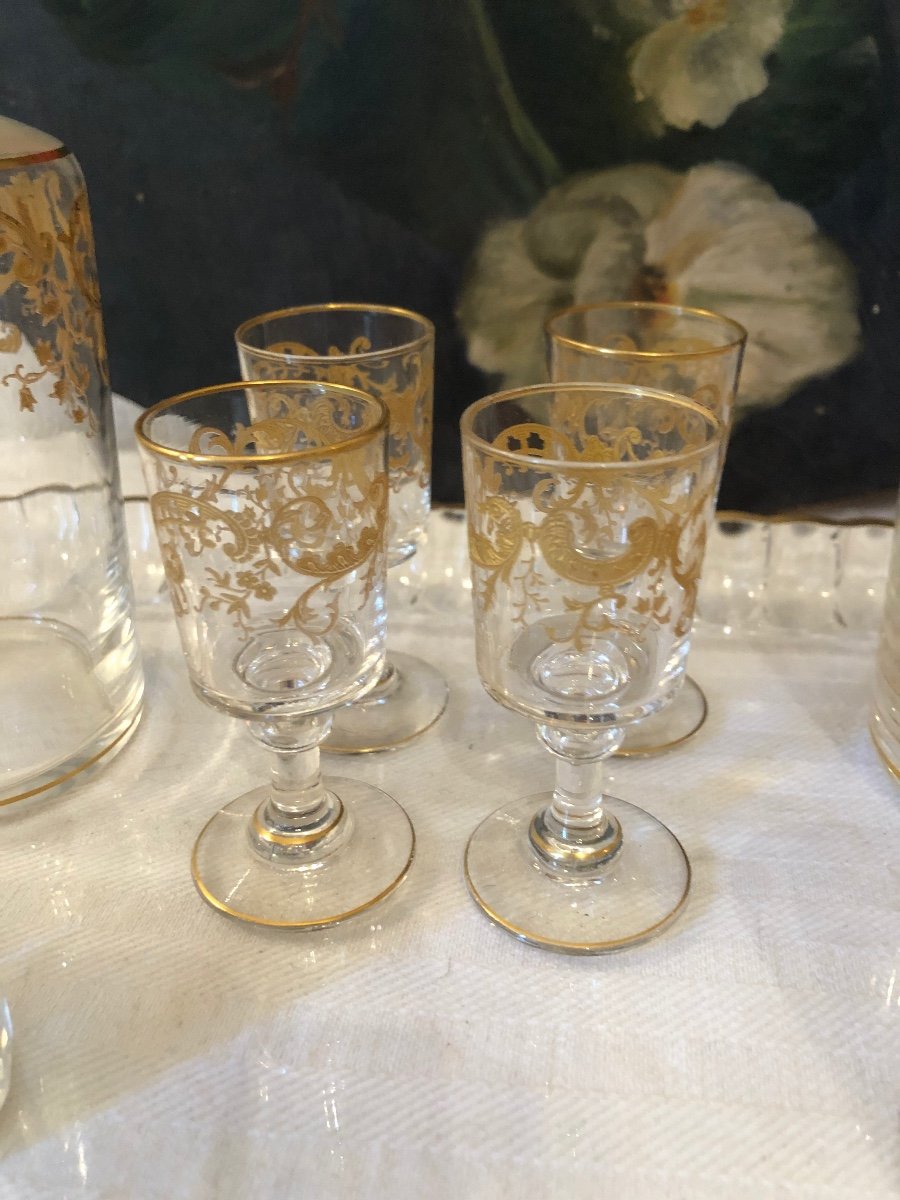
290 521
47 252
404 382
531 527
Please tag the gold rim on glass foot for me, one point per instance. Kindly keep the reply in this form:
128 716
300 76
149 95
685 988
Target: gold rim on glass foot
83 768
634 896
668 728
276 884
409 698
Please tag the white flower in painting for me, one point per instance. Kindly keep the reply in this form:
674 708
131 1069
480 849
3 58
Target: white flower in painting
717 237
702 58
590 226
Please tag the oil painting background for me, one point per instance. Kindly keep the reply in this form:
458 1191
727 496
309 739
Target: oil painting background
485 162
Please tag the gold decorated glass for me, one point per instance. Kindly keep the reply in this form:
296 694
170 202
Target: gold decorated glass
272 533
588 508
687 351
71 682
388 353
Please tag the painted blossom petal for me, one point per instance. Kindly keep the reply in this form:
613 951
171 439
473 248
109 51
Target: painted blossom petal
523 270
505 304
729 243
717 237
570 217
700 65
649 13
612 263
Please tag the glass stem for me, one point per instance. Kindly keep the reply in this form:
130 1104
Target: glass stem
574 833
578 794
298 810
297 787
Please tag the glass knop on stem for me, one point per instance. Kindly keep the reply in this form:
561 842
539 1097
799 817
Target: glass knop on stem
588 507
270 506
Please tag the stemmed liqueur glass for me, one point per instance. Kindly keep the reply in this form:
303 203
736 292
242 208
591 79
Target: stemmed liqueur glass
588 508
389 353
272 532
689 351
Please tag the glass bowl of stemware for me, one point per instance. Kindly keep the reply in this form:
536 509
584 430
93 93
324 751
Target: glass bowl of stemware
588 508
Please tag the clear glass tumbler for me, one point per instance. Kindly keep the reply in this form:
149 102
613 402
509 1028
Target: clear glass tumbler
388 353
588 508
686 351
272 533
71 684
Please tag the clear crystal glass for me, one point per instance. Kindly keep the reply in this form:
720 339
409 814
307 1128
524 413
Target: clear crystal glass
588 508
270 506
688 351
71 683
388 353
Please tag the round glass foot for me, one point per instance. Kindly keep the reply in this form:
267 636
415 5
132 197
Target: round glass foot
368 858
632 897
669 727
408 700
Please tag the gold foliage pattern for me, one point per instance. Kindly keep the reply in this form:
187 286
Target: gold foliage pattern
403 381
47 257
624 538
681 365
264 526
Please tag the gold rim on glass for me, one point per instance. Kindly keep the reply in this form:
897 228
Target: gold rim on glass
737 517
220 906
118 740
634 391
894 770
282 457
536 939
739 339
388 745
423 339
31 160
661 747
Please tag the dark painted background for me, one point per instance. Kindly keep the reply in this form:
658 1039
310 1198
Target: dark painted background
213 169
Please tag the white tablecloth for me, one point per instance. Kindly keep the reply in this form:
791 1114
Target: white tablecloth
751 1053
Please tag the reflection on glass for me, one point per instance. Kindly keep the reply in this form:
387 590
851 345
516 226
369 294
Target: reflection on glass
688 351
272 533
388 353
588 509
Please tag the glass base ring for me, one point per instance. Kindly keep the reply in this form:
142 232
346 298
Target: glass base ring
411 697
631 898
368 861
672 725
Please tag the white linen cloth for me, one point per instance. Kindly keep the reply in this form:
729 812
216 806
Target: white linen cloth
750 1053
